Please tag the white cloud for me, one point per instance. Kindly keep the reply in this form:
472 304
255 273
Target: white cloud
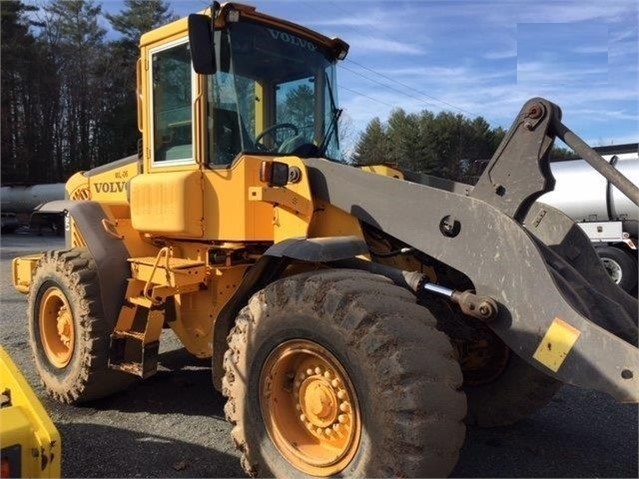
426 72
587 50
599 115
603 140
500 54
551 73
363 44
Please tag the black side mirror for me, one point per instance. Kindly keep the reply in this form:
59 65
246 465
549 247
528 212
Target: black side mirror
201 43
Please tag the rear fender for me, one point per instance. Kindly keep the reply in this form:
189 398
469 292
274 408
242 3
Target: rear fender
108 251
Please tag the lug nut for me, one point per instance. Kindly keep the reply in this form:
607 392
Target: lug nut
345 407
342 418
309 372
318 370
341 394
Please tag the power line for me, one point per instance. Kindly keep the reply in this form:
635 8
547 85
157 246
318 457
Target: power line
386 86
362 32
411 88
366 96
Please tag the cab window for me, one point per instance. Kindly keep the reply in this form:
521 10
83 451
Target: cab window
295 106
172 93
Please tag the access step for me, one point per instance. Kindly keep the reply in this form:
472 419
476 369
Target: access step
136 340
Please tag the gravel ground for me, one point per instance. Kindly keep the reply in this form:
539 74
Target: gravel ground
172 425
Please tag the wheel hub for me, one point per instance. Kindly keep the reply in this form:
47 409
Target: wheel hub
56 327
318 401
64 324
310 408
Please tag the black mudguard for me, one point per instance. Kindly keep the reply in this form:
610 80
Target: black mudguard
109 252
268 269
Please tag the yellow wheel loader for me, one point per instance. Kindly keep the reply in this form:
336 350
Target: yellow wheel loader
356 318
30 444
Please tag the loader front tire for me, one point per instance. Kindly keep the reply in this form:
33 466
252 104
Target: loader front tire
339 372
69 337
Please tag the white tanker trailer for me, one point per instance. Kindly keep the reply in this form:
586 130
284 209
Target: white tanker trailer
15 200
606 215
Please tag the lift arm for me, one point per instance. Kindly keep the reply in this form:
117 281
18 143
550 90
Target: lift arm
548 314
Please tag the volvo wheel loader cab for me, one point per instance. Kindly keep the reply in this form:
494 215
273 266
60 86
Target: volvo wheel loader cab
355 318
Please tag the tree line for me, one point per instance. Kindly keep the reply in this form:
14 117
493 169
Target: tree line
447 145
68 92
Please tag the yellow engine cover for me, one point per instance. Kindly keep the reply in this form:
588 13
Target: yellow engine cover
168 203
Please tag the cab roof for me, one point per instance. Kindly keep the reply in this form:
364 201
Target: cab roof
246 12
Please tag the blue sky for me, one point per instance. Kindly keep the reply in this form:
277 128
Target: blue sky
480 58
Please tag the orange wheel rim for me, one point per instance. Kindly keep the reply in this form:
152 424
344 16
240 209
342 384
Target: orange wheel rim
310 408
56 327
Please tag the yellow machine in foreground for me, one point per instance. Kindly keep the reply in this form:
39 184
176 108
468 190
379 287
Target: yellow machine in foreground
29 442
356 319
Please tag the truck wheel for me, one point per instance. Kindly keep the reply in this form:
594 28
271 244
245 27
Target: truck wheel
340 372
69 337
621 267
501 388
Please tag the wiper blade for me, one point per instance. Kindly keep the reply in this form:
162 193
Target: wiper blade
332 128
336 113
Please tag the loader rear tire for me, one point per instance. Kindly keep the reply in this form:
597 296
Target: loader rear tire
69 337
340 373
518 392
501 388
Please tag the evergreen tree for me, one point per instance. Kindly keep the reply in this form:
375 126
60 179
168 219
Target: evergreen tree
26 138
120 133
372 147
14 40
404 140
77 39
447 145
138 17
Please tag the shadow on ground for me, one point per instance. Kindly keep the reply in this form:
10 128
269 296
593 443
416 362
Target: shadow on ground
91 450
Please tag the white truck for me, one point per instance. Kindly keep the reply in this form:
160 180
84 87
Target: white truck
608 218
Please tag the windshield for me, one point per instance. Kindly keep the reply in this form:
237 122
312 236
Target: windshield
272 93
